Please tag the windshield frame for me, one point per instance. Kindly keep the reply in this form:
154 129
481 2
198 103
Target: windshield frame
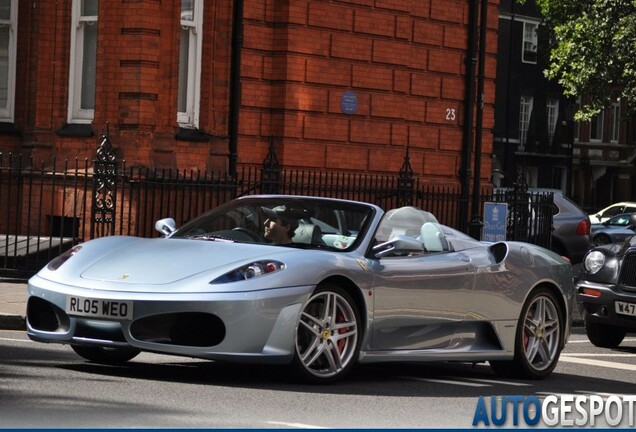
341 224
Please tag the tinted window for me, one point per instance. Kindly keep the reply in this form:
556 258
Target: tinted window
612 211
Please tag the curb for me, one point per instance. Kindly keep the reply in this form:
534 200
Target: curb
12 322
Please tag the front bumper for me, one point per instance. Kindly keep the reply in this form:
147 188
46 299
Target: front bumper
602 309
256 326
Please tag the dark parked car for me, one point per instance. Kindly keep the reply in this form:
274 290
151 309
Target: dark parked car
607 291
615 229
570 227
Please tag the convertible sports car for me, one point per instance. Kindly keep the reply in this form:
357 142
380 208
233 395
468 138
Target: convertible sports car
355 284
607 291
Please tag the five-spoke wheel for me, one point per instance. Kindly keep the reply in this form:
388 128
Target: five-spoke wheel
328 335
539 338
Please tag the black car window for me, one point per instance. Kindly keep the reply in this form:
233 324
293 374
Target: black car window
555 209
612 211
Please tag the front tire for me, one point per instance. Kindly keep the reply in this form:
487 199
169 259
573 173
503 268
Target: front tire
108 356
539 339
604 335
328 335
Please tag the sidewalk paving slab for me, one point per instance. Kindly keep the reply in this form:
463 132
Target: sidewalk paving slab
13 298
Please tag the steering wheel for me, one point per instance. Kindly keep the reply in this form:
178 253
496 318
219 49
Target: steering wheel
251 234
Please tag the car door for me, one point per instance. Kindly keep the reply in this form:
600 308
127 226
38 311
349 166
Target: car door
419 301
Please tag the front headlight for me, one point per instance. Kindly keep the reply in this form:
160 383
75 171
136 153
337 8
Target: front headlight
250 271
594 261
61 259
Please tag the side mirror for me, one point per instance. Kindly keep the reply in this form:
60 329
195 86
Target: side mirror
398 245
166 226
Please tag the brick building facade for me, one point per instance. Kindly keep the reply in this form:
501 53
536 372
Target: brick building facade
341 85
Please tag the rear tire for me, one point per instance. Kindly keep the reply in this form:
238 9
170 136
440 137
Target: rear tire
328 335
604 335
109 356
539 339
601 240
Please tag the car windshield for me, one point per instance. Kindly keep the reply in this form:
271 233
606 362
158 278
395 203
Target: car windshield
306 223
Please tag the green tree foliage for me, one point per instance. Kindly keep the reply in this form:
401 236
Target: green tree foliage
593 50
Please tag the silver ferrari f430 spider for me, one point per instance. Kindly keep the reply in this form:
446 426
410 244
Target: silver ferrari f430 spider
319 284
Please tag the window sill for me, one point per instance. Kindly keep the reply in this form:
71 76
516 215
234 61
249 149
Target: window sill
76 130
9 129
192 135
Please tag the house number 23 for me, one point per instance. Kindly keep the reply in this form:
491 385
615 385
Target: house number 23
450 114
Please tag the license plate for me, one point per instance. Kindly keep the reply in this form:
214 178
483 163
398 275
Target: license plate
625 308
99 308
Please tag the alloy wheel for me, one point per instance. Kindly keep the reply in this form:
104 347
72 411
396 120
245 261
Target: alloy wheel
327 335
541 333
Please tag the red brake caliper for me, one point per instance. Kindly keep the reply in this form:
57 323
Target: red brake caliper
341 343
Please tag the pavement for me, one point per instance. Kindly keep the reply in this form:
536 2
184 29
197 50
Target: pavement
13 297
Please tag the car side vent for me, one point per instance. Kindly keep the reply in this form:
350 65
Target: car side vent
627 278
499 251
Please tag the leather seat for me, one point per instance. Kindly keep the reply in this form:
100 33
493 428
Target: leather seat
308 234
431 237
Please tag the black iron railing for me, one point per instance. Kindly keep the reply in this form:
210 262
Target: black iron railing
52 206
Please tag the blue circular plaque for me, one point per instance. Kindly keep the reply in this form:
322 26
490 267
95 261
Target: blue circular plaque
349 102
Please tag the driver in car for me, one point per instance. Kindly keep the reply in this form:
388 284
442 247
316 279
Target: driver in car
280 224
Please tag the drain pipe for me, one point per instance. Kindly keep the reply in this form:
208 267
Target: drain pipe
476 222
469 102
235 85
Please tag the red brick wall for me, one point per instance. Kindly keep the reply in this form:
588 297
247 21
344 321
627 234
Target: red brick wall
403 59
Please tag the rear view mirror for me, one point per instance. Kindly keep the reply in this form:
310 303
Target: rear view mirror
166 226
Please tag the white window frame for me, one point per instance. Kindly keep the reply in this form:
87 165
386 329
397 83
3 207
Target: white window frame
77 114
552 108
190 117
529 42
7 111
525 111
598 121
616 122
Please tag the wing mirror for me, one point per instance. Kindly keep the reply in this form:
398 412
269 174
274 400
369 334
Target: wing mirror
166 226
398 245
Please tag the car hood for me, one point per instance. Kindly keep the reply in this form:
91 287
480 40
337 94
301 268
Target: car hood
164 261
